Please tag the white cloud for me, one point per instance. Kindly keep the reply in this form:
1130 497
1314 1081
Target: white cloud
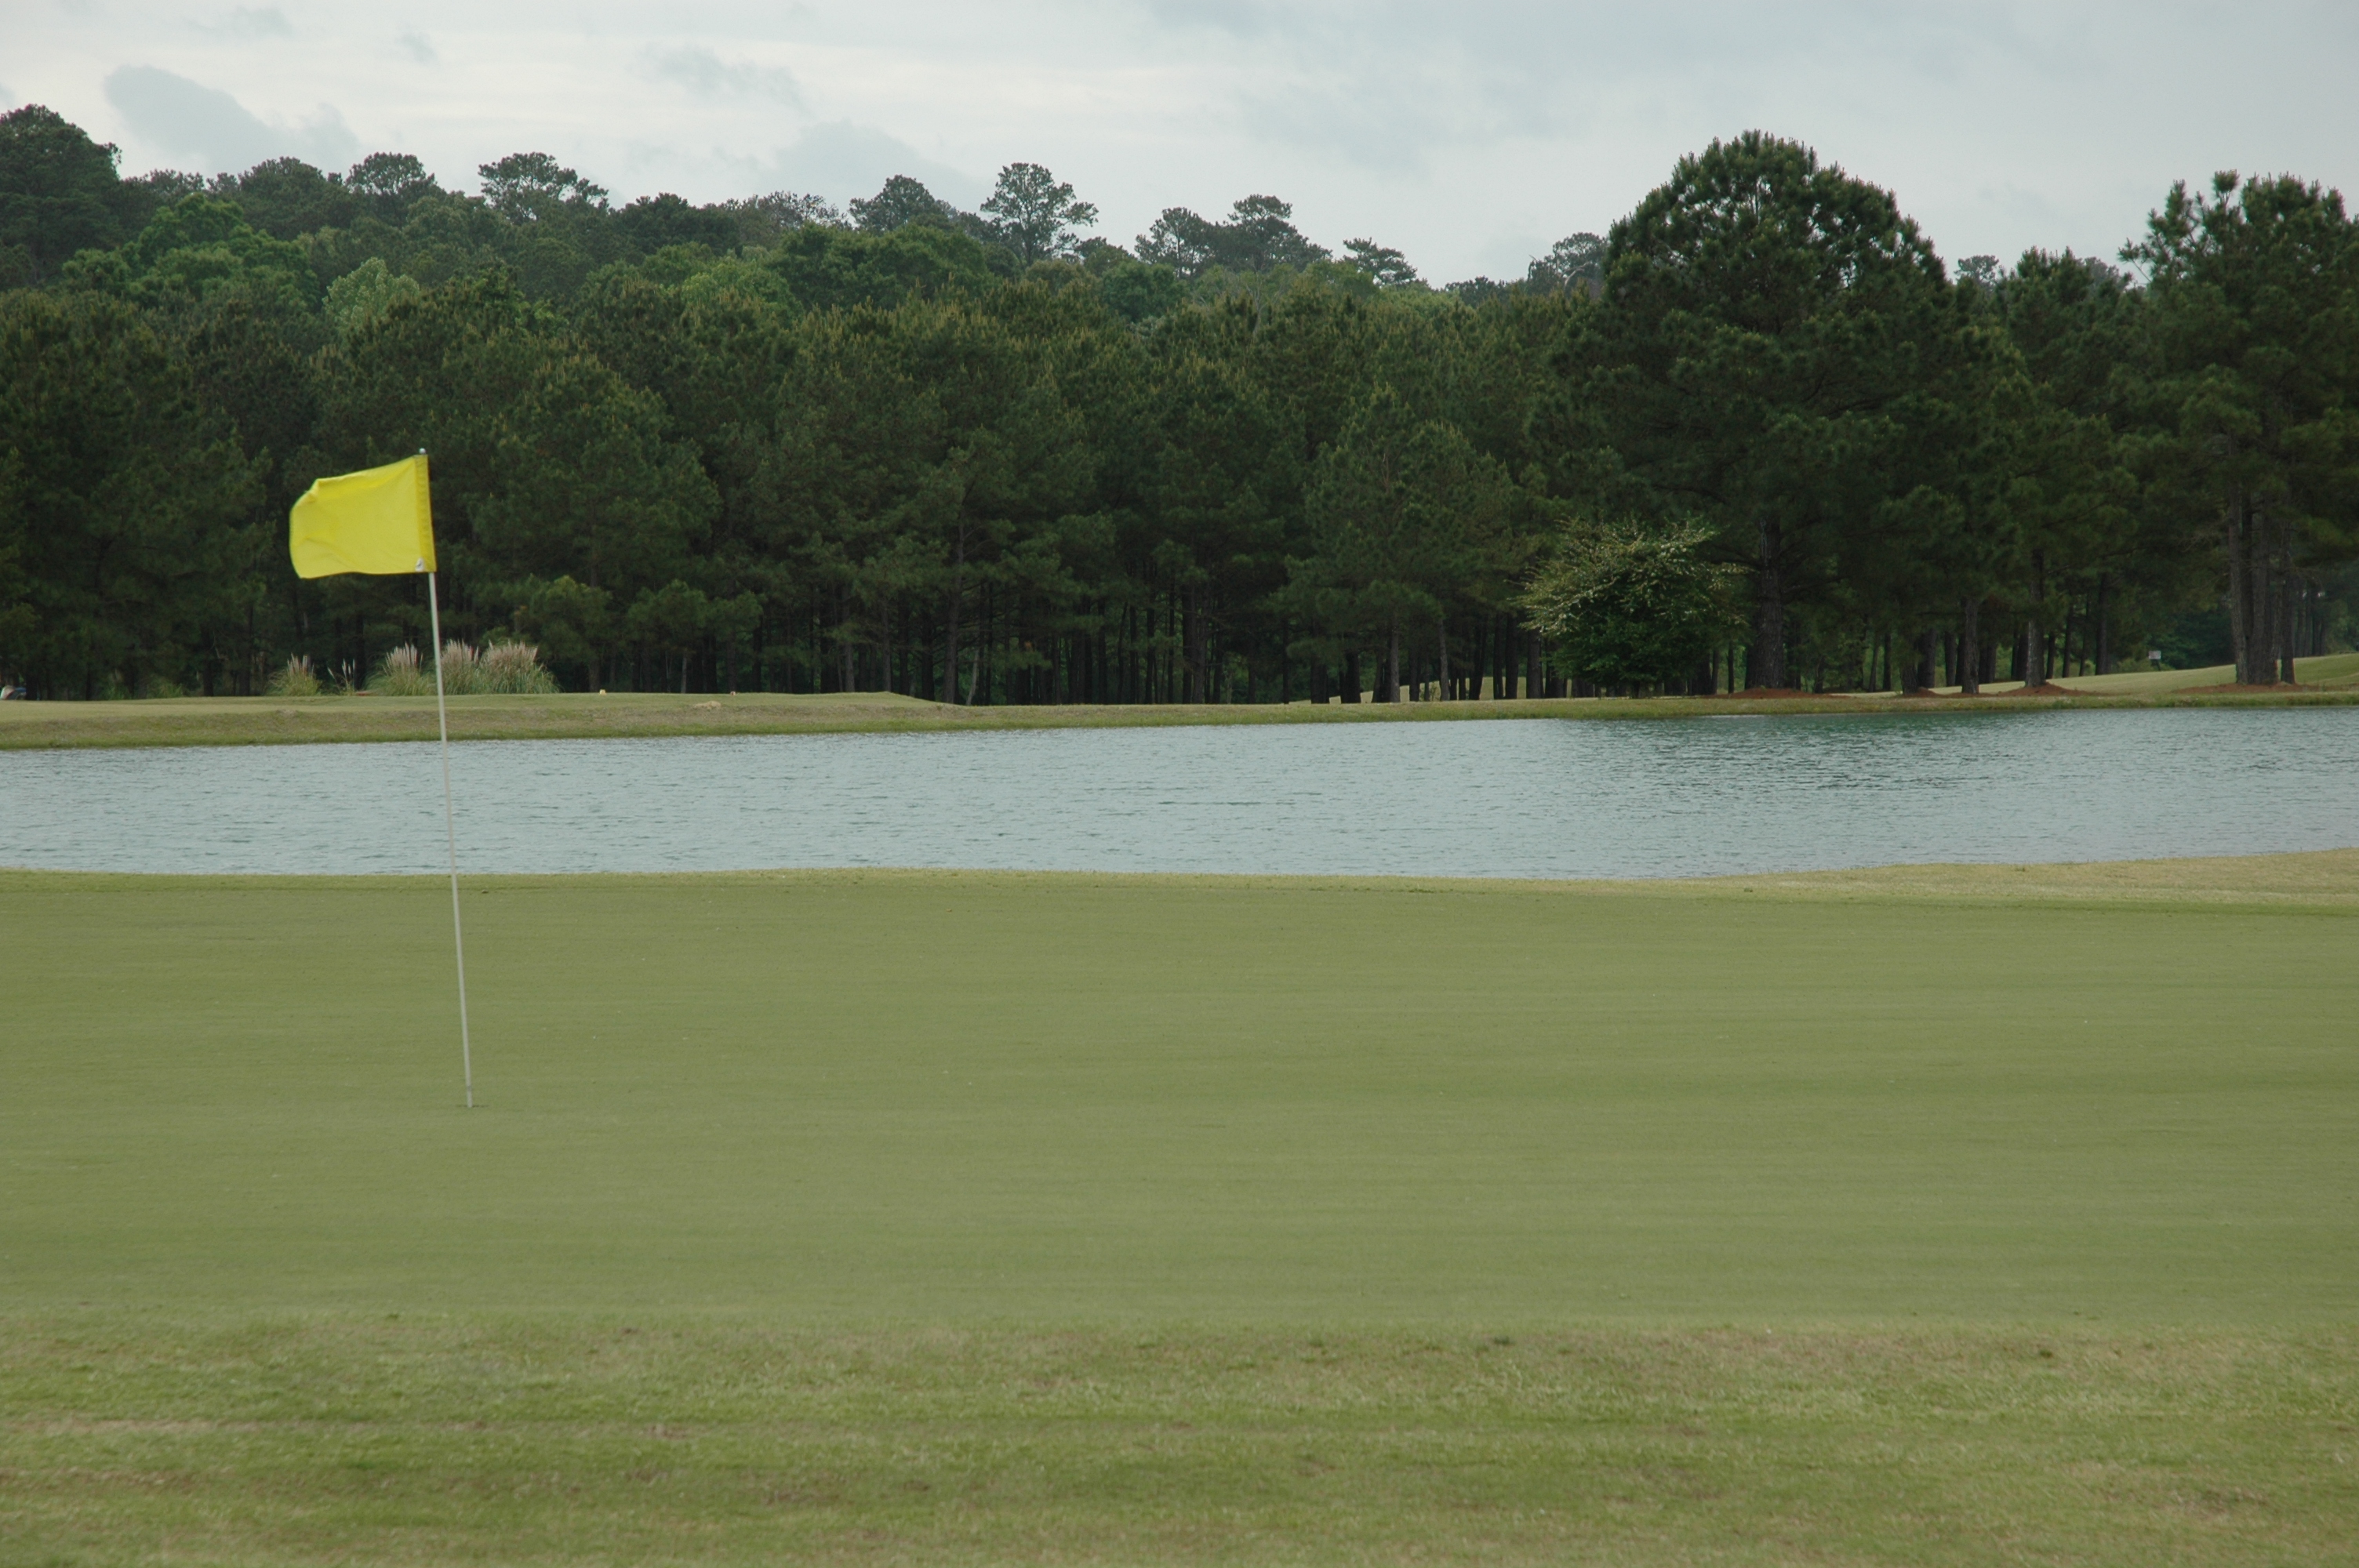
252 22
841 160
703 72
189 123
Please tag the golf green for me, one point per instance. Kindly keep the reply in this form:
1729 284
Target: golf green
975 1099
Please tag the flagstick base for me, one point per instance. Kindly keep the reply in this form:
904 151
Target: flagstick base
450 834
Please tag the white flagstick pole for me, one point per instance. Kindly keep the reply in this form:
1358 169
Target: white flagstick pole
451 832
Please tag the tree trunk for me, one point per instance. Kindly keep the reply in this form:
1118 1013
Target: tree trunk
2249 598
950 631
1531 664
1351 692
2034 662
2104 641
1444 691
1928 653
1768 671
1970 646
1195 634
2285 625
1392 658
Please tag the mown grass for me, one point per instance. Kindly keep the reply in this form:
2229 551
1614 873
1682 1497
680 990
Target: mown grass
280 720
1945 1215
508 1440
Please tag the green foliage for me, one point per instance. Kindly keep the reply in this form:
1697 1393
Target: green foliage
826 268
1034 214
365 293
944 451
1769 326
200 254
1384 266
286 198
901 203
58 194
1625 606
571 621
653 222
124 489
531 188
1139 292
544 461
386 183
2255 392
1402 511
1259 235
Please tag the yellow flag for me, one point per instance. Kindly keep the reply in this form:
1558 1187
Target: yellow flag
377 521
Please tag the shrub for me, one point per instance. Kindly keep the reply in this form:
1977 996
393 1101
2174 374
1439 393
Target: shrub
1629 606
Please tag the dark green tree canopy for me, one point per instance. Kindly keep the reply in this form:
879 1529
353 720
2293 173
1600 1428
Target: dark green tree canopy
1036 214
1386 266
1259 235
1577 261
528 188
286 198
1768 321
652 223
59 193
390 181
977 457
900 202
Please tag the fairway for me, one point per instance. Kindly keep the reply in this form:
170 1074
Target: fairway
865 1181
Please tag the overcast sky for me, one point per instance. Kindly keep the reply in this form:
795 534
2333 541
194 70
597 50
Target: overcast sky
1470 135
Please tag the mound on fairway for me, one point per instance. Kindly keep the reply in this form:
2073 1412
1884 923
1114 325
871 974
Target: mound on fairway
1944 1215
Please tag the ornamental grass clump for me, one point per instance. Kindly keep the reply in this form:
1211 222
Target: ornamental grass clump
503 667
403 674
296 679
512 667
463 672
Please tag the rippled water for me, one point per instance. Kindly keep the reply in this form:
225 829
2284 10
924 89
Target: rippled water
1491 798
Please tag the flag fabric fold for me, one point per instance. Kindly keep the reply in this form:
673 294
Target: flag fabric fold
379 521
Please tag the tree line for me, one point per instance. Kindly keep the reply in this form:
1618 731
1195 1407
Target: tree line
1758 435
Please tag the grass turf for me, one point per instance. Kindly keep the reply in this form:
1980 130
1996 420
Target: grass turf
269 720
1088 1218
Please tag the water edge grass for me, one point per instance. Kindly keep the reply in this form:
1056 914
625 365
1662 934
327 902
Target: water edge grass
2331 680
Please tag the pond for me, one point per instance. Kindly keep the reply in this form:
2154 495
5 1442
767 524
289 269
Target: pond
1481 798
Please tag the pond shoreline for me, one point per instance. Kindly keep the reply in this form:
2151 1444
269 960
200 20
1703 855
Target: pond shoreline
589 716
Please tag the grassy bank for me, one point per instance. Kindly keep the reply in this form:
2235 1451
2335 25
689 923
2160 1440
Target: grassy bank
1946 1214
268 721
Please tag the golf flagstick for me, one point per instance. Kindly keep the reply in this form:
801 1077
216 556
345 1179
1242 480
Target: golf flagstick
450 833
